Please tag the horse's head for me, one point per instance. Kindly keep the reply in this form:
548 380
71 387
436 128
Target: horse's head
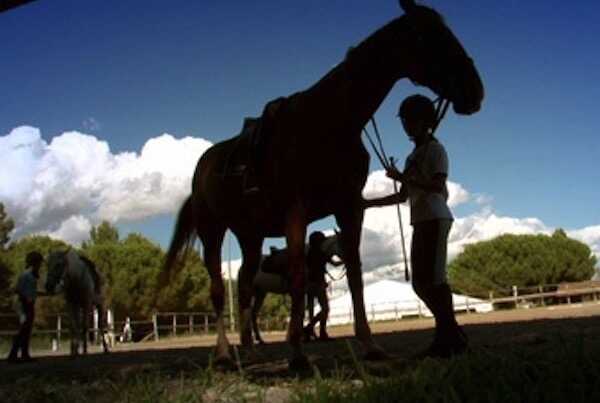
439 60
57 264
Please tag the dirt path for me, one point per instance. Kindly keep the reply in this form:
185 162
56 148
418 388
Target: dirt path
496 330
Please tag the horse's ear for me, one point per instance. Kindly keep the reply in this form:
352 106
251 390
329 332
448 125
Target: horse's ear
407 5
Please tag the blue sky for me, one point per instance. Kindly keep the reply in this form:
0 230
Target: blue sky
126 72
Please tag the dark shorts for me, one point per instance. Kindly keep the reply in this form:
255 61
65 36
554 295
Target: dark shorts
429 251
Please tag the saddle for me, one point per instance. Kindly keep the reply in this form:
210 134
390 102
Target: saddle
254 136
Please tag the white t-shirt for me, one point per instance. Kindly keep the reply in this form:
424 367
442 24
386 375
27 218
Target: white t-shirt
424 163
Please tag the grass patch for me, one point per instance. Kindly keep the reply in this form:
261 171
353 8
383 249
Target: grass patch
563 371
556 369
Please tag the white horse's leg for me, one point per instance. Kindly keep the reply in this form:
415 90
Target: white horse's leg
257 303
101 324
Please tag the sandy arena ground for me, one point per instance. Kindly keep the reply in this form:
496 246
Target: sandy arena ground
400 339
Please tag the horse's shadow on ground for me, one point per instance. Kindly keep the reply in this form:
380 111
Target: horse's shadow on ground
339 358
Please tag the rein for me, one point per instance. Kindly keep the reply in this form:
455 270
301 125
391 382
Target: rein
441 107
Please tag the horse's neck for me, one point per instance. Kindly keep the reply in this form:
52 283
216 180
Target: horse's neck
77 275
351 92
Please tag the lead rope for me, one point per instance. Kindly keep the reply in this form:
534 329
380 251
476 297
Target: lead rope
440 112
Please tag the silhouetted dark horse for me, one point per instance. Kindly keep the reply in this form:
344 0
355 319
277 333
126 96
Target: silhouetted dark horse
314 164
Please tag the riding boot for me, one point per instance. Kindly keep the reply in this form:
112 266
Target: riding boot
14 351
449 340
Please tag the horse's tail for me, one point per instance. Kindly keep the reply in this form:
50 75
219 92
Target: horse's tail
183 237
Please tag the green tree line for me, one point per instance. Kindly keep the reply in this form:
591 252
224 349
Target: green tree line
130 268
522 260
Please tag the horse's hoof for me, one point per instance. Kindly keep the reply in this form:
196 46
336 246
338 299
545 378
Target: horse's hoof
299 364
376 355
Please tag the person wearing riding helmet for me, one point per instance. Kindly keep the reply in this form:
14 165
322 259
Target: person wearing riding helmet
424 185
316 261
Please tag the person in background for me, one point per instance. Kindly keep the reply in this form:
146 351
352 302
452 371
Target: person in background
316 261
27 292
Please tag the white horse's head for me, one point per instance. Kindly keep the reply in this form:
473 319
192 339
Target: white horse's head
331 245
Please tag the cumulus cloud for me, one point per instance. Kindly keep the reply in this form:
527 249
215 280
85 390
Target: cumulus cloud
589 235
381 246
65 186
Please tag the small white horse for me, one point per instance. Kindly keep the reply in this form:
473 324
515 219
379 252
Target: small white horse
271 277
77 278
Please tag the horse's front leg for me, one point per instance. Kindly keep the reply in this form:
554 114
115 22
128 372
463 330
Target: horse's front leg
74 329
350 222
295 233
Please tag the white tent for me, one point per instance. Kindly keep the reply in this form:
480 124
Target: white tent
388 299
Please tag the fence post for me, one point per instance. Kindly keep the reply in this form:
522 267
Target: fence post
206 323
174 324
110 324
155 325
95 330
541 291
467 304
191 323
58 330
419 307
515 295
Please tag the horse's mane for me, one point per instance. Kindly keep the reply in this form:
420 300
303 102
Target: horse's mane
371 48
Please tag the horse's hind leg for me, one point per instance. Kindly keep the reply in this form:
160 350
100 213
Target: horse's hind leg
85 329
211 241
251 253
